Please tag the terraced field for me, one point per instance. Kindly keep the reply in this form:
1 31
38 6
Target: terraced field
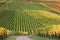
20 16
52 5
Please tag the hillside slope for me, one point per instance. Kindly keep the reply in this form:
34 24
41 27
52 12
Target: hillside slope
20 16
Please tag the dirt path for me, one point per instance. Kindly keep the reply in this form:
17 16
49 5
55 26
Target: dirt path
23 38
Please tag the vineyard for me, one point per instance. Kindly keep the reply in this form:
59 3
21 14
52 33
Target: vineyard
29 17
52 5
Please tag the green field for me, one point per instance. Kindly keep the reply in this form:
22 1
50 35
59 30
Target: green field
21 16
27 17
10 38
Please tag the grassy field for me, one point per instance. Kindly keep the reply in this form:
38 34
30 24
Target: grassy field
40 38
11 38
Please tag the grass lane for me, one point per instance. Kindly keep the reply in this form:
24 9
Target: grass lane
11 38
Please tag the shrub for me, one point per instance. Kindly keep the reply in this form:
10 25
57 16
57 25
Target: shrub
9 32
55 30
3 31
23 33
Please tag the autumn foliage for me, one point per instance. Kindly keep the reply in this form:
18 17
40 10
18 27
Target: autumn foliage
3 31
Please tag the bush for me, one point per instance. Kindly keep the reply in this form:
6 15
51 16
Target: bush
3 31
23 33
55 30
9 32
